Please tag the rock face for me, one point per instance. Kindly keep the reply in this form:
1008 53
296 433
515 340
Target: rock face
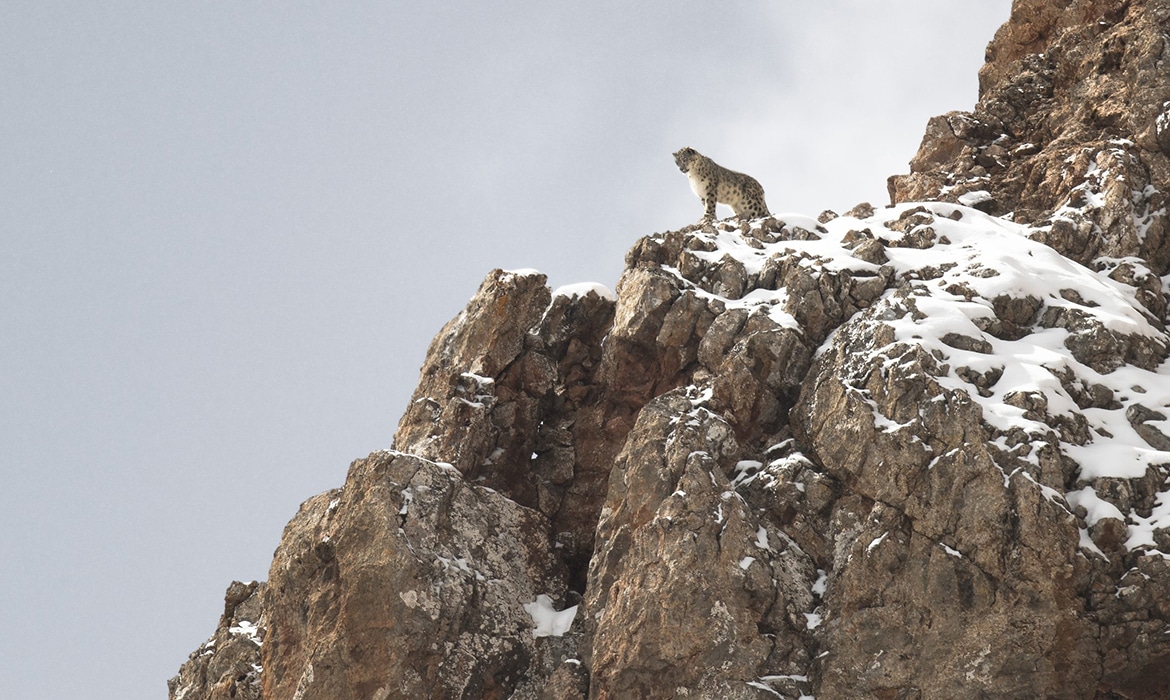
1071 132
228 664
404 583
913 452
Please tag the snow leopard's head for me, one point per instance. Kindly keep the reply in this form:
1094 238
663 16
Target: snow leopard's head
683 158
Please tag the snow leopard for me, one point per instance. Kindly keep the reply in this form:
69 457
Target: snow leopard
715 184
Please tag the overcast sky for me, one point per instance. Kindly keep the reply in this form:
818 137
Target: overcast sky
228 231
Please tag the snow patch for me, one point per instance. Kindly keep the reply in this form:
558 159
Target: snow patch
970 199
877 541
762 539
1095 507
821 584
549 621
952 552
582 289
523 272
247 629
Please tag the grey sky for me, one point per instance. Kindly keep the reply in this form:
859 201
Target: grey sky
228 232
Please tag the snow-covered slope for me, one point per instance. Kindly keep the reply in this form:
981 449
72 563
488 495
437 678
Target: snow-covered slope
1076 342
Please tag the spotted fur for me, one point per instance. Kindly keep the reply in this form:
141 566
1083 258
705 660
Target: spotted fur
715 184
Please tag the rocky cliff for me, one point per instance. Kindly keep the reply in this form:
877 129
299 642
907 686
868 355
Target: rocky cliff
911 452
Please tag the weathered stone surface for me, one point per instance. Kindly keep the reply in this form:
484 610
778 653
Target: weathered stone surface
483 388
501 398
228 665
950 538
407 582
689 593
1070 131
569 682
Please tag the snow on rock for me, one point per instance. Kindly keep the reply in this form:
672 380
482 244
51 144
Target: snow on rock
999 406
248 629
1053 353
928 362
876 542
821 584
229 662
548 621
523 272
581 289
970 199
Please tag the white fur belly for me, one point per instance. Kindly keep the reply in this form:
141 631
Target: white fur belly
698 186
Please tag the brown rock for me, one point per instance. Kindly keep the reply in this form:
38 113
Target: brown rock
685 578
945 540
569 682
499 398
1069 129
407 582
228 665
1138 416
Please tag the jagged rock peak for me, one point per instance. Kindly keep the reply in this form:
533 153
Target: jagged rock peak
1071 132
228 665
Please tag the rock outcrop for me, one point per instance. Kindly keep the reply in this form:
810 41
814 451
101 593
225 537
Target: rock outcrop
1071 132
228 664
913 452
